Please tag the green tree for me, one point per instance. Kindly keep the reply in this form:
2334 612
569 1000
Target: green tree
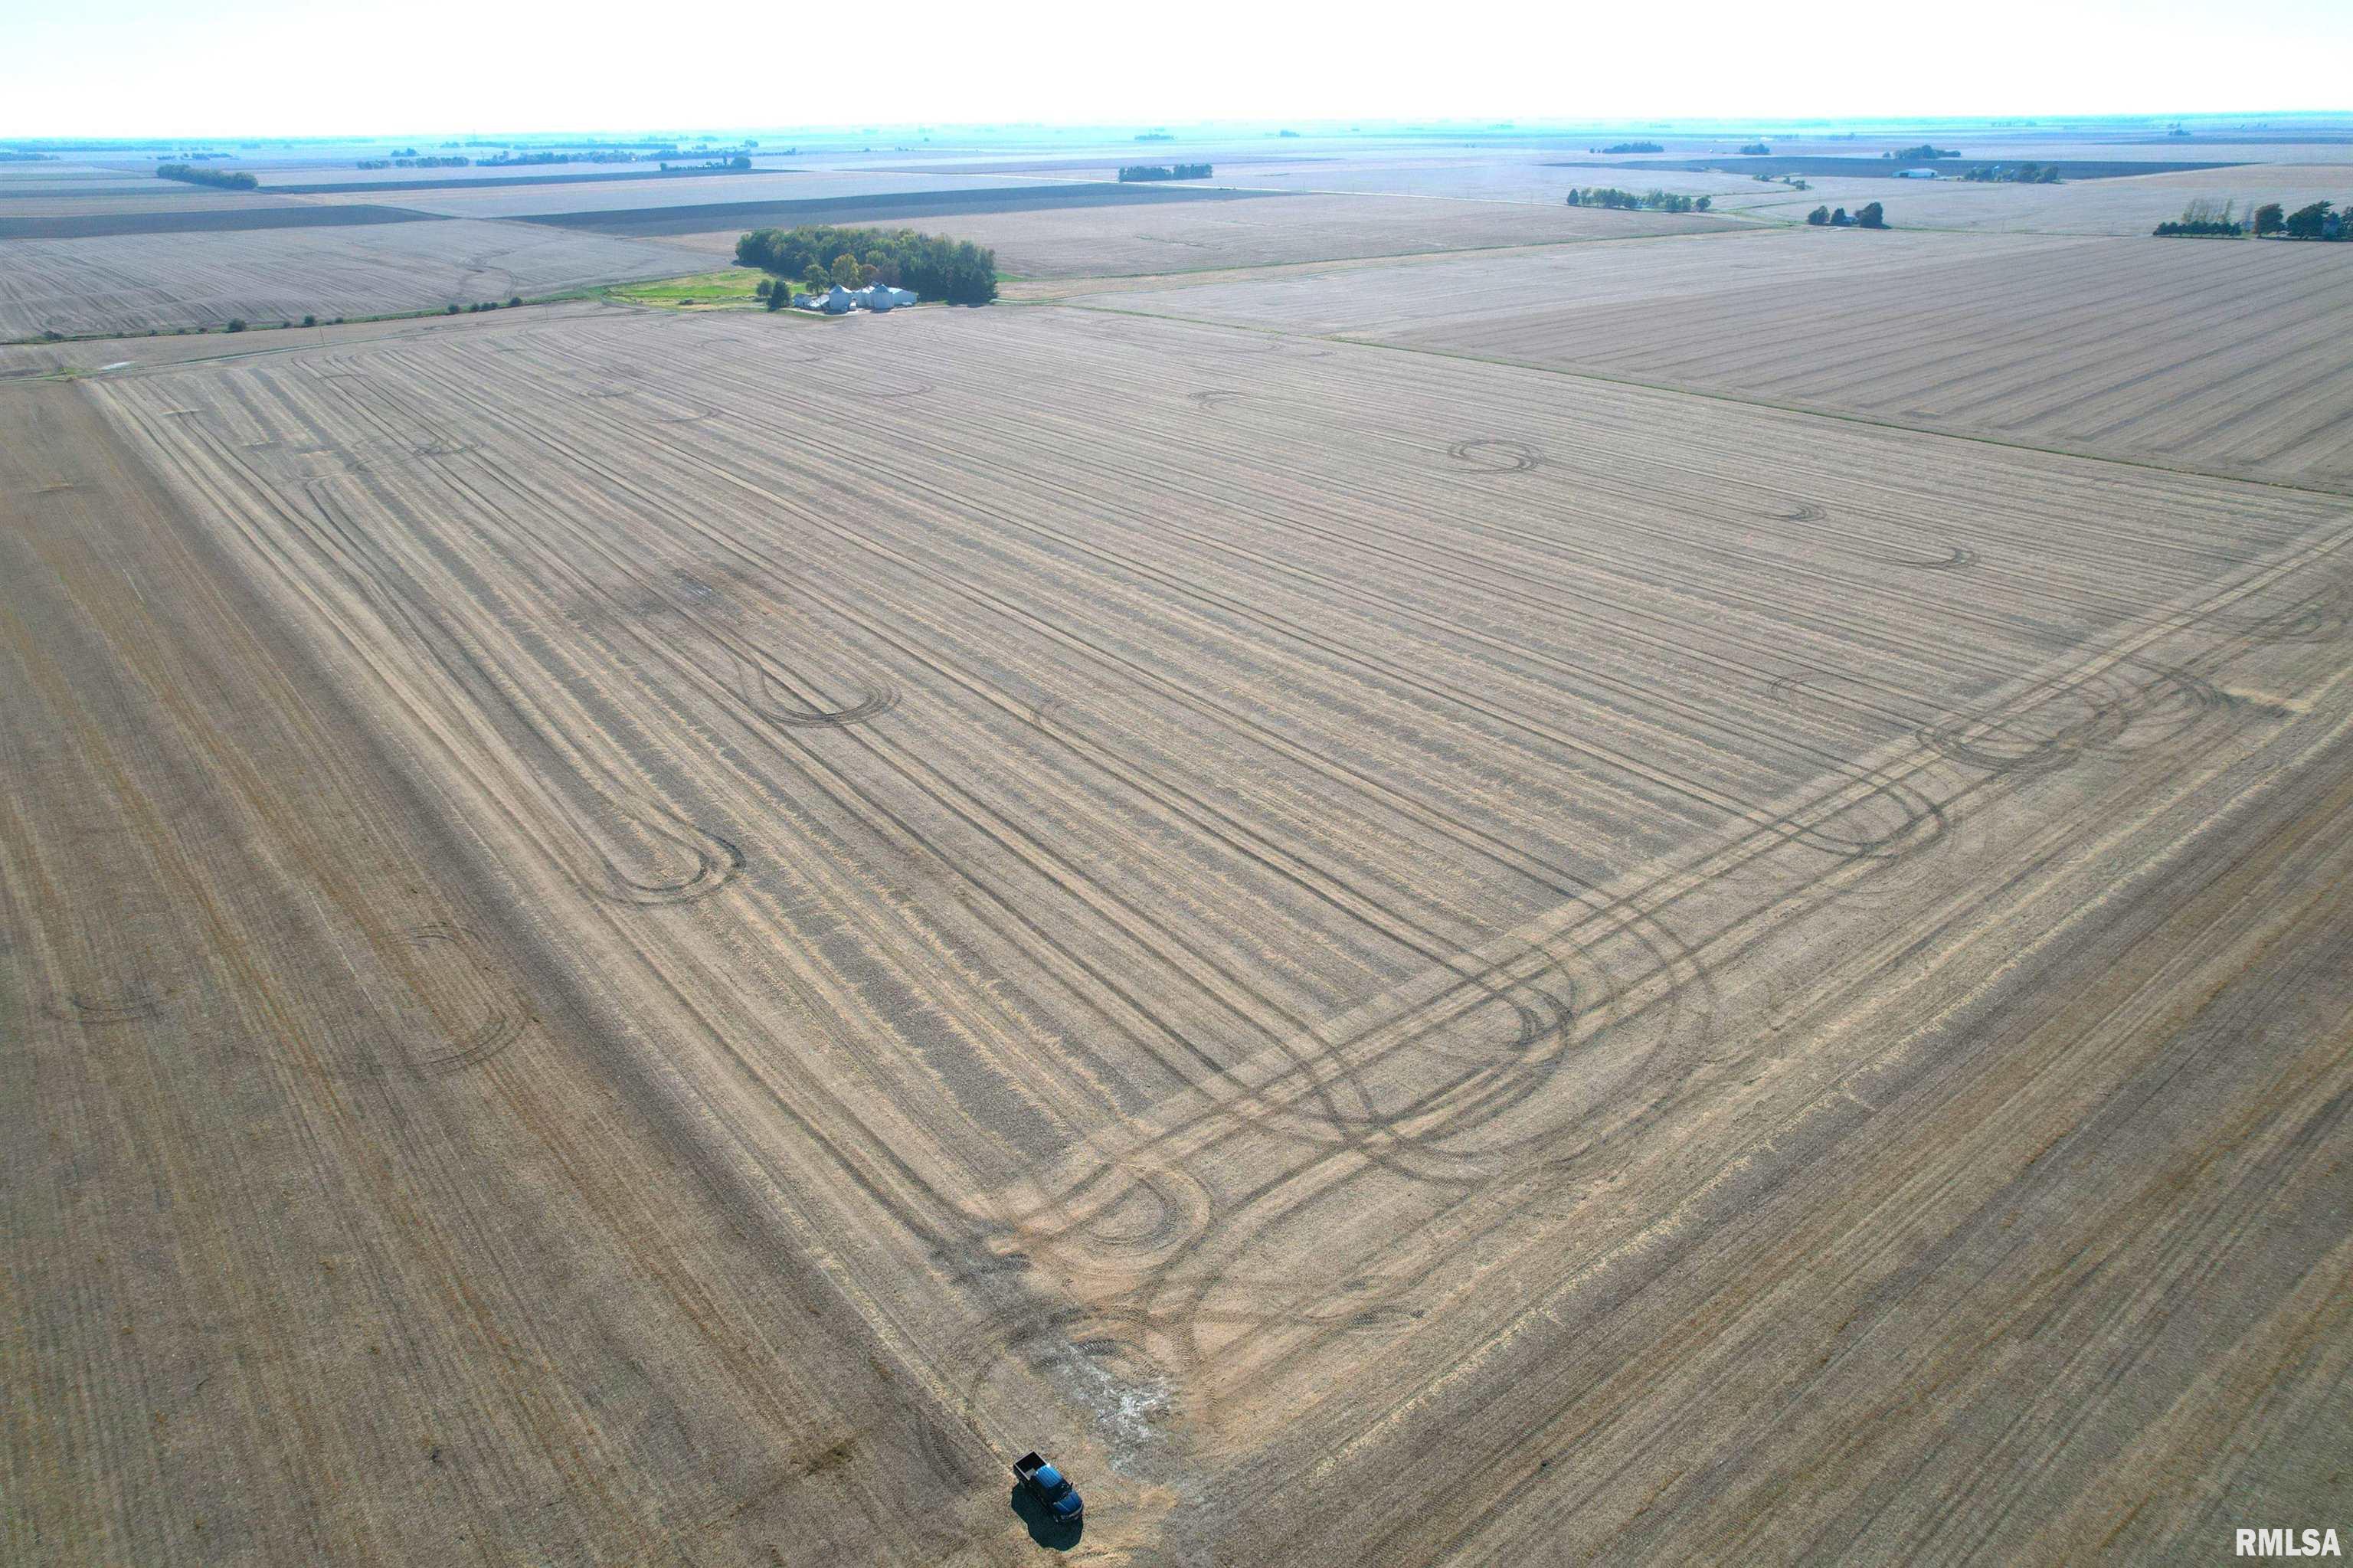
1872 217
1819 217
2307 222
848 272
2269 219
814 278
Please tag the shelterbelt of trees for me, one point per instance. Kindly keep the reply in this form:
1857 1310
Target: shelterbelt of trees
818 255
2319 220
237 181
1637 201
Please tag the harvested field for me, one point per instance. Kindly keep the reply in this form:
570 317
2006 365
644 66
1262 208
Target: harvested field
2220 357
133 282
899 208
2117 207
504 198
1380 300
154 196
305 183
1890 168
229 219
1511 968
1098 241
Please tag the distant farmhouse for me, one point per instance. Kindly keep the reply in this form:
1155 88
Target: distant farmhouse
839 302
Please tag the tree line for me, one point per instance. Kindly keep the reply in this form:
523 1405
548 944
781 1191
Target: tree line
1134 172
2013 173
226 179
1926 153
821 255
1869 216
1629 147
2319 220
1628 201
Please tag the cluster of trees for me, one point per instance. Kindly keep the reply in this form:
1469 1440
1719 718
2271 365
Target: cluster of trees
1926 152
821 255
1629 147
2013 173
2202 217
1156 136
2315 220
1757 149
1870 215
226 179
610 155
1628 201
15 157
1164 172
1792 181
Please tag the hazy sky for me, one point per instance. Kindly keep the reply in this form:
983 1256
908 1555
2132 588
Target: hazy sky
275 67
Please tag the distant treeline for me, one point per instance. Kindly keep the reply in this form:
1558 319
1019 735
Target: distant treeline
1134 172
226 179
28 158
1156 136
819 255
1757 149
2013 173
1870 215
1926 152
410 161
510 160
1628 201
1629 147
2317 220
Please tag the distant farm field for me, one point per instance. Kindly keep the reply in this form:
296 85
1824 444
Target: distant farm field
1097 242
224 219
900 209
164 280
2225 357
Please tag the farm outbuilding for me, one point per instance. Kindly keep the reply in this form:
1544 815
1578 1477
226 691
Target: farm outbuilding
839 300
1918 174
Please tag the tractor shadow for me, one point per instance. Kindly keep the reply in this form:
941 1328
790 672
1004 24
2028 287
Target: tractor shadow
1053 1537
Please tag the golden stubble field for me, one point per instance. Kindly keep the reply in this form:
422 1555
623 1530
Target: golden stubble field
2212 354
651 938
132 282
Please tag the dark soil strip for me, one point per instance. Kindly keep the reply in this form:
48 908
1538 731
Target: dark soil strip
504 182
647 221
217 220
